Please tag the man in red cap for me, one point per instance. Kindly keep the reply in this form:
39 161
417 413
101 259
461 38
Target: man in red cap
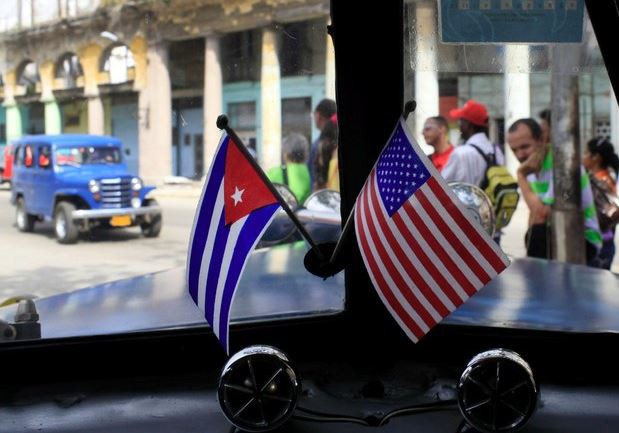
466 163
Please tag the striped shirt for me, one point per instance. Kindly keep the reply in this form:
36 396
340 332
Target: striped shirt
542 185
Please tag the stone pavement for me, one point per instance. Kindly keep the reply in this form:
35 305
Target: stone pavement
512 240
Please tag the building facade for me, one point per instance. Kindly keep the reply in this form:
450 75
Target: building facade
157 73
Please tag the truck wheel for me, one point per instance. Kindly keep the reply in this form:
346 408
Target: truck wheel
23 220
64 226
153 228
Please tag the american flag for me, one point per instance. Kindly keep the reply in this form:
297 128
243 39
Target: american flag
425 255
235 209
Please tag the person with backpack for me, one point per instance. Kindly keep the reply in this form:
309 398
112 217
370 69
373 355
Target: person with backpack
535 179
468 162
481 163
602 163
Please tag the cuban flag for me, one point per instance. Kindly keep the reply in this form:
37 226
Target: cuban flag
235 209
423 251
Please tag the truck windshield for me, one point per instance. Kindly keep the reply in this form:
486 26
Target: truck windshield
87 155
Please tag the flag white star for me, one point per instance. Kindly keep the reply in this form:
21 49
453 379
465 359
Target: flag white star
238 195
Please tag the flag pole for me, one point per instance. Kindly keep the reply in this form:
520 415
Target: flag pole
222 123
409 107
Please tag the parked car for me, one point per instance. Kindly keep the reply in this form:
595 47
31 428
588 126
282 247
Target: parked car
6 171
79 182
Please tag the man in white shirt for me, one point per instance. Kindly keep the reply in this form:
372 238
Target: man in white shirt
466 164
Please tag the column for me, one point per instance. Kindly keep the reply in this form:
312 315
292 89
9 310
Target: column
53 118
270 101
213 97
155 116
96 114
14 127
90 58
517 93
330 69
426 69
567 222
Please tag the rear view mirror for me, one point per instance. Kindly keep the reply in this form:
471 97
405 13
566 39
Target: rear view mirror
282 228
477 204
324 200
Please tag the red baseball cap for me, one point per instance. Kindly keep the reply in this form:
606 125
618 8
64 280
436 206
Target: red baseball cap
472 111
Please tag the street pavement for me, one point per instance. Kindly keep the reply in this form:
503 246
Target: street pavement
35 264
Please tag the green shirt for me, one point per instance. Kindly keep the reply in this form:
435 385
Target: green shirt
542 185
298 179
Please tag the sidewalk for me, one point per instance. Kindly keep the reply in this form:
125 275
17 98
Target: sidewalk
191 189
512 240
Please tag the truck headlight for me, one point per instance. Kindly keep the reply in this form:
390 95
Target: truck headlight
94 186
136 202
136 184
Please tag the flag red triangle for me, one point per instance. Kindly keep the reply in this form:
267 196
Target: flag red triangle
244 190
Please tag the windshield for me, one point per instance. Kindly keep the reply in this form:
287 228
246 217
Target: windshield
83 155
156 74
160 97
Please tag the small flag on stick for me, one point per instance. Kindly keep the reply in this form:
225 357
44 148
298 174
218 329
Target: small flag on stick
425 255
235 209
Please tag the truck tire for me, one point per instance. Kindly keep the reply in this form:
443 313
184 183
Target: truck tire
23 220
153 228
64 227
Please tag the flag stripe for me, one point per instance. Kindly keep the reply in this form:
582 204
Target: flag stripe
256 222
226 254
216 255
442 287
482 246
208 249
478 259
453 238
407 324
409 289
388 285
395 238
205 215
444 251
408 237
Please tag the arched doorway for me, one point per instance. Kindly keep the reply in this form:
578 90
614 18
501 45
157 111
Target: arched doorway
69 93
27 96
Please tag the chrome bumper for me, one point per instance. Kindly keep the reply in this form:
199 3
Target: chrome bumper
108 213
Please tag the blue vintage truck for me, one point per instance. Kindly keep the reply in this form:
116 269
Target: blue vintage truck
78 182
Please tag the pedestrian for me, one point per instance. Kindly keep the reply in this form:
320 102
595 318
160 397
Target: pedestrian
466 163
327 151
535 179
435 130
329 140
323 112
293 172
602 163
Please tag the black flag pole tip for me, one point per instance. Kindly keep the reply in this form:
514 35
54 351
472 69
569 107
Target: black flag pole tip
222 121
409 107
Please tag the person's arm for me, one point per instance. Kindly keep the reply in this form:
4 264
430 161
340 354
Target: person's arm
539 212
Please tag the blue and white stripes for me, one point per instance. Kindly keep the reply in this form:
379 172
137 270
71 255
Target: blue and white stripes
218 253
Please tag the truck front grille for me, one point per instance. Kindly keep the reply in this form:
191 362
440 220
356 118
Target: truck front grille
115 193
